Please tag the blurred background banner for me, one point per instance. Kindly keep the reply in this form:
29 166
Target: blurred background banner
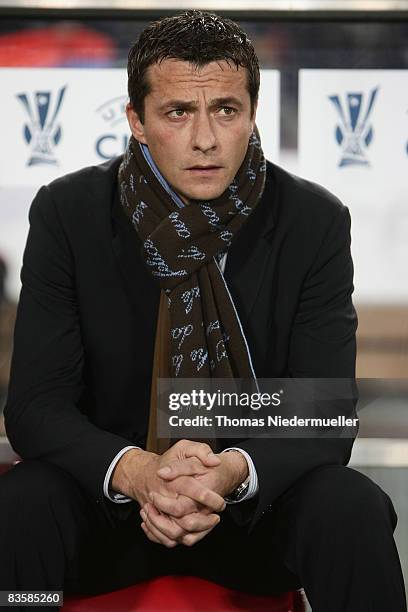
353 139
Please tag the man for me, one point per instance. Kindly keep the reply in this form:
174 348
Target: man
190 228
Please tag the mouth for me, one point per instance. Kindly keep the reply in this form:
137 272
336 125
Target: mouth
204 169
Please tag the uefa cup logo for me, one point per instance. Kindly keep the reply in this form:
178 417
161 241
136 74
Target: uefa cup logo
42 132
354 133
114 138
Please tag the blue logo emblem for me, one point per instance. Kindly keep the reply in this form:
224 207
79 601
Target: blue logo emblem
42 132
354 133
113 141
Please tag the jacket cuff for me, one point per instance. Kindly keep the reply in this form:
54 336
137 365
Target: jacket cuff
253 487
114 496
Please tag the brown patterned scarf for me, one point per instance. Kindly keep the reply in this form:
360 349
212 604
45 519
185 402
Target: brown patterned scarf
198 333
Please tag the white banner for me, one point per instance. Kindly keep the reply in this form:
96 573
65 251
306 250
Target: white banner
353 139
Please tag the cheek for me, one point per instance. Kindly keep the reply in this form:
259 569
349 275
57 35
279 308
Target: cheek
238 143
239 136
169 149
161 141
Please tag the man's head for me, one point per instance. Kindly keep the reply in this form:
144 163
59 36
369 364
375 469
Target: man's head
193 88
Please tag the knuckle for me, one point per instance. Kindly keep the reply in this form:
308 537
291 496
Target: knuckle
202 496
178 510
187 509
182 522
189 524
177 533
170 487
188 540
171 533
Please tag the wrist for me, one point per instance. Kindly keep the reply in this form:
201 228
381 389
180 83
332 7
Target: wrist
128 476
238 466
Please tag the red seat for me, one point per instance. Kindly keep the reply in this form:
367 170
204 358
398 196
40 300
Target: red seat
184 594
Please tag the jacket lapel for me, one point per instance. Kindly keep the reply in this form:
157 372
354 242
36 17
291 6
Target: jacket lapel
141 288
248 256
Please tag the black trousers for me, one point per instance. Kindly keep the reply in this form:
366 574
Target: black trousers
332 533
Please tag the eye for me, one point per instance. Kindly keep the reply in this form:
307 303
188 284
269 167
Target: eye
229 110
177 112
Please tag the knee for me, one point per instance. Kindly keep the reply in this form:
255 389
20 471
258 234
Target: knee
342 494
32 485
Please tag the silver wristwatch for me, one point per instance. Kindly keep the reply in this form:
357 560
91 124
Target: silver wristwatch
238 493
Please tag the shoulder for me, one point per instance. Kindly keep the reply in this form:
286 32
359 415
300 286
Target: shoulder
71 193
302 200
91 177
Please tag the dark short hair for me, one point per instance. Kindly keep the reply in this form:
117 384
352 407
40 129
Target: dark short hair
195 36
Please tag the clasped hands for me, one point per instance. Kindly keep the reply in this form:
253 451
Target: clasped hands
180 492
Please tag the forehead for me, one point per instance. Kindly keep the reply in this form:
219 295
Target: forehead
171 75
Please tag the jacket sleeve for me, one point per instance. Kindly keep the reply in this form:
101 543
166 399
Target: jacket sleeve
42 415
322 345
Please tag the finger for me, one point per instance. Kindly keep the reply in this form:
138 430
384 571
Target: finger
193 538
191 521
163 523
196 522
176 507
182 467
149 534
163 539
191 487
201 450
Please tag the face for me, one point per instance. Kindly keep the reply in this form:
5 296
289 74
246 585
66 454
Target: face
197 124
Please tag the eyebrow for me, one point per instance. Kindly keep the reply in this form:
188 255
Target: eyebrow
192 104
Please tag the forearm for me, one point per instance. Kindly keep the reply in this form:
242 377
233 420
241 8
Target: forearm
129 474
53 430
237 469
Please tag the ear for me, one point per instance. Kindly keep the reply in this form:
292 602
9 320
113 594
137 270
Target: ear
253 118
136 126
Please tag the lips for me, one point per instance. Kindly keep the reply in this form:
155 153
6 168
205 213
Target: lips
204 167
204 171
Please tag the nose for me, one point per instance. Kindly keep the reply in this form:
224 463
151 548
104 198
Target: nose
203 134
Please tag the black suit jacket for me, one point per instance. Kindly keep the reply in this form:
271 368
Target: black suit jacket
84 337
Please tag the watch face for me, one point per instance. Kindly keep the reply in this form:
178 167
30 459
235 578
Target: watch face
241 490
